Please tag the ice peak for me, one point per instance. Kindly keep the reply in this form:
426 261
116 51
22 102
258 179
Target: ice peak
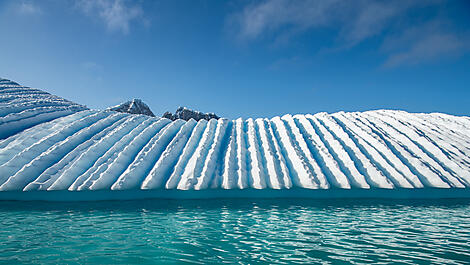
187 114
134 106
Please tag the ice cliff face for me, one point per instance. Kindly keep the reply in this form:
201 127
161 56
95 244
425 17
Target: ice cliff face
53 144
187 114
135 106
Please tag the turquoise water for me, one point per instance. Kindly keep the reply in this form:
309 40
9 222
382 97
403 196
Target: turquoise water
236 231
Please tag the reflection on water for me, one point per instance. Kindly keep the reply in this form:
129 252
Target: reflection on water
236 231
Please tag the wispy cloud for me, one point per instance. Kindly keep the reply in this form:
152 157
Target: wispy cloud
258 19
116 14
425 42
28 8
357 20
354 22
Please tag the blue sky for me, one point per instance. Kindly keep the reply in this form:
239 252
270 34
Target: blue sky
243 58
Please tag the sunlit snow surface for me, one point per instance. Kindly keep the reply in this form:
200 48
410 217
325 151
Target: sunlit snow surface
51 144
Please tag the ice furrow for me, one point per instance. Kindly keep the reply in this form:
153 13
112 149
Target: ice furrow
51 156
300 144
159 174
195 164
19 142
220 163
188 152
355 134
136 172
15 117
69 174
345 162
273 171
451 128
97 159
411 142
9 128
28 154
242 171
329 165
373 175
426 176
256 166
51 174
458 124
204 179
124 159
27 106
13 90
285 181
452 147
229 175
263 152
456 174
368 135
301 174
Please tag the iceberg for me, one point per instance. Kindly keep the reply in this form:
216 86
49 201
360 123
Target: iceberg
54 149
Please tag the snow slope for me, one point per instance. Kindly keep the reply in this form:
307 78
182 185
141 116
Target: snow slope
23 107
50 144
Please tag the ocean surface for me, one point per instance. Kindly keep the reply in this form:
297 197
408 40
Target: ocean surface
239 231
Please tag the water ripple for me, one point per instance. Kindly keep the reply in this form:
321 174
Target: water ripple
243 232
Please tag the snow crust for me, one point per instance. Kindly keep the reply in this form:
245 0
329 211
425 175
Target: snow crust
52 145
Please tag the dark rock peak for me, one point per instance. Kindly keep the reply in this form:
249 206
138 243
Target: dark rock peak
135 106
187 114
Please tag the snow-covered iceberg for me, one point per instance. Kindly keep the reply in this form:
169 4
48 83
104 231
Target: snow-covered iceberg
55 149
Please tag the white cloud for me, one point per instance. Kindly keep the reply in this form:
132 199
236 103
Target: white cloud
354 22
423 43
370 19
256 19
28 8
116 14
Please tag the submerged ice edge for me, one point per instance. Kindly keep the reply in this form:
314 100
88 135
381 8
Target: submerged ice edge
48 149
